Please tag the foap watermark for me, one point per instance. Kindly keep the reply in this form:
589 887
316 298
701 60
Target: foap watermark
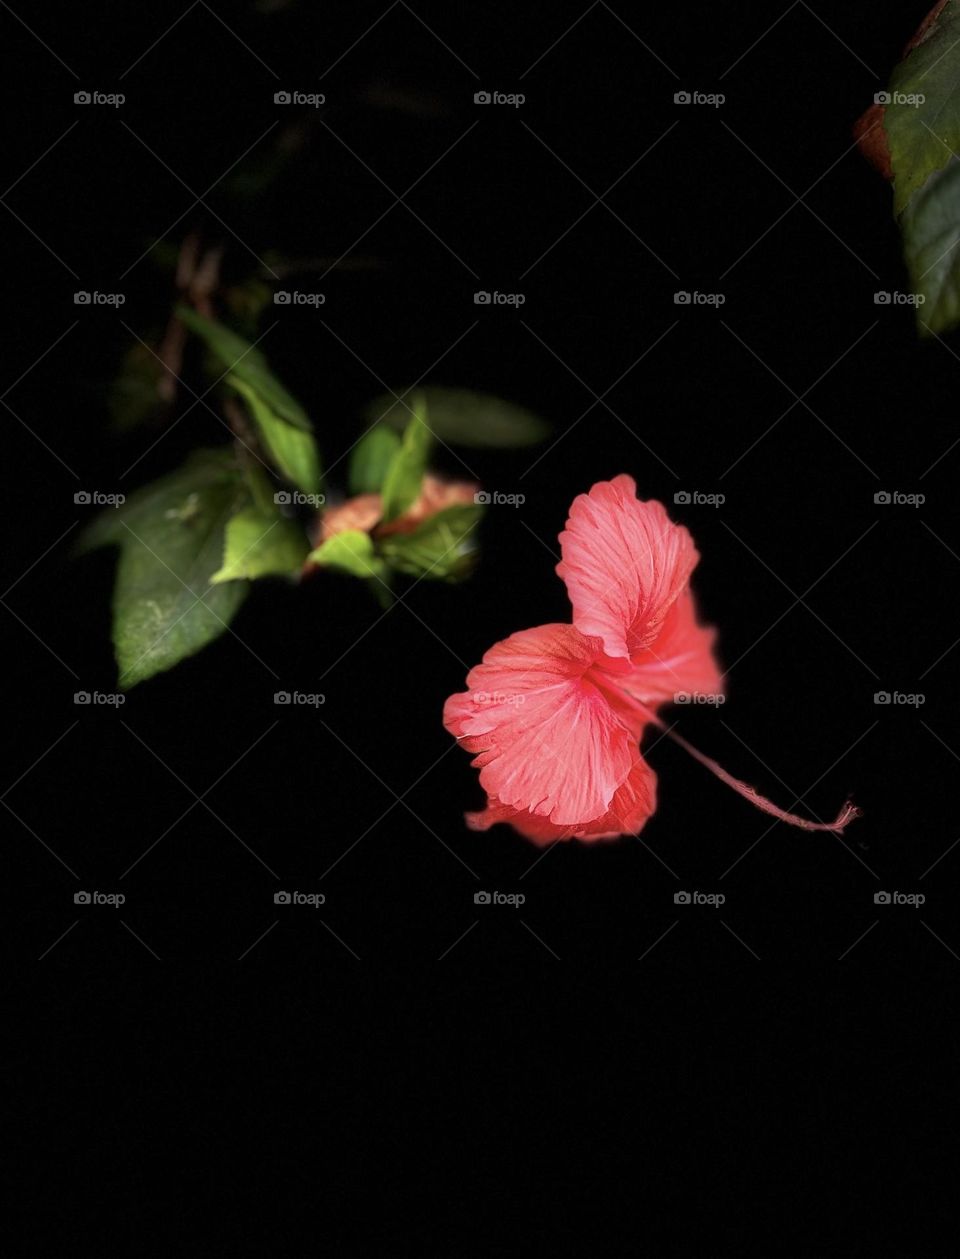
299 699
896 498
494 498
114 99
914 99
913 899
700 698
696 498
516 99
896 298
99 699
312 899
313 99
297 498
712 99
684 298
514 698
513 899
713 899
287 297
83 298
496 298
899 699
112 899
97 498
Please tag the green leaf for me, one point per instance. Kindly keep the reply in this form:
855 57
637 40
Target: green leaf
351 552
931 233
370 459
281 422
924 134
246 364
442 548
261 487
292 449
171 538
464 418
261 544
401 486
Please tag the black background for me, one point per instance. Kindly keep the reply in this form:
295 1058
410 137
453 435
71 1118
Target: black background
693 399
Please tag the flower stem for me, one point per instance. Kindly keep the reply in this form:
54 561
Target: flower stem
846 815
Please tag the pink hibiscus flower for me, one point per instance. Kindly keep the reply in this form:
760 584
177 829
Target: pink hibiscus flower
364 510
555 714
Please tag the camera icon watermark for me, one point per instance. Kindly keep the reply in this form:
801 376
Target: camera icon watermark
913 99
512 699
896 298
299 699
99 699
96 498
112 899
713 899
311 899
85 298
713 99
495 498
296 498
684 297
696 498
496 298
913 899
899 699
114 99
313 99
513 899
896 498
516 99
286 297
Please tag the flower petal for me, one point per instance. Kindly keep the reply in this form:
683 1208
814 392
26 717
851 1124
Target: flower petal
680 662
360 512
624 563
549 741
680 659
435 496
633 803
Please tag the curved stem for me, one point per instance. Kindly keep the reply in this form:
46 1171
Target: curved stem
846 815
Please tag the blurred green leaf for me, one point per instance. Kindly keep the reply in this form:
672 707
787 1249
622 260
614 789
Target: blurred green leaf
921 128
922 118
931 226
261 544
281 422
171 537
464 418
442 548
352 552
245 363
370 459
292 449
401 485
261 487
